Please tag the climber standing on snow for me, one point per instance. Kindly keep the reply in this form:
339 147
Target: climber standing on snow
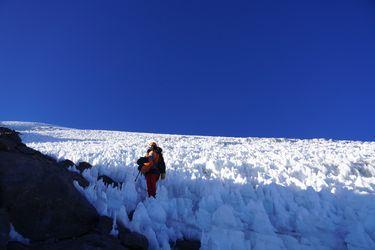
152 166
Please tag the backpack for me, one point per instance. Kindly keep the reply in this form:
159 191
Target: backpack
161 165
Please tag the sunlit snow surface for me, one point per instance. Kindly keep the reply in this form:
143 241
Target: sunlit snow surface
230 193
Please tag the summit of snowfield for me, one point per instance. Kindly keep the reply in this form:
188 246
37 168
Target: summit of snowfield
229 193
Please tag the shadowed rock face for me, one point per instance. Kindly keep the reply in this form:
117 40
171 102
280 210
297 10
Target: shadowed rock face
132 240
83 165
109 181
10 134
9 139
66 163
4 228
38 197
89 241
187 245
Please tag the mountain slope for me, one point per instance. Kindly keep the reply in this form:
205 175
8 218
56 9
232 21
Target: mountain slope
230 193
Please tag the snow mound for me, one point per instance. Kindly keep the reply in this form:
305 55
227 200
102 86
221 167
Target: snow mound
230 193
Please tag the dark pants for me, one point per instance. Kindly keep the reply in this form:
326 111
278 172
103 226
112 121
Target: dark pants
151 180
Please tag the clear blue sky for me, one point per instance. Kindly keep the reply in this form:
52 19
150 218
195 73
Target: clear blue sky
299 69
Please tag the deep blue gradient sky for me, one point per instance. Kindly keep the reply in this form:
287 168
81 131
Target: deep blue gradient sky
268 68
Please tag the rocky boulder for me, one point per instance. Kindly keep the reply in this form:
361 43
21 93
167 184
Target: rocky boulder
22 148
11 135
14 245
108 180
73 175
66 163
39 197
132 240
104 225
187 245
6 144
9 139
79 178
4 228
91 241
83 165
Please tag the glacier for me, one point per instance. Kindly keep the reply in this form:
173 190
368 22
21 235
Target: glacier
227 192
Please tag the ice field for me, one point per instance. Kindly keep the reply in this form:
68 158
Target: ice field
230 193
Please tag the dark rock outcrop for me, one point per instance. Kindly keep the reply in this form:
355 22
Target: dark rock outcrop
132 240
74 175
79 178
108 180
22 148
14 245
4 228
7 145
83 165
187 245
38 197
10 134
104 225
9 139
41 201
66 163
90 241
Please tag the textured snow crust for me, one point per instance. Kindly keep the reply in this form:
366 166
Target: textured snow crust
230 193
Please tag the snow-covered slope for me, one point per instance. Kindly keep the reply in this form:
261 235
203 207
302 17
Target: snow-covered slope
230 193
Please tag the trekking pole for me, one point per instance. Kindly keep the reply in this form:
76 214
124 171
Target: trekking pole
137 176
